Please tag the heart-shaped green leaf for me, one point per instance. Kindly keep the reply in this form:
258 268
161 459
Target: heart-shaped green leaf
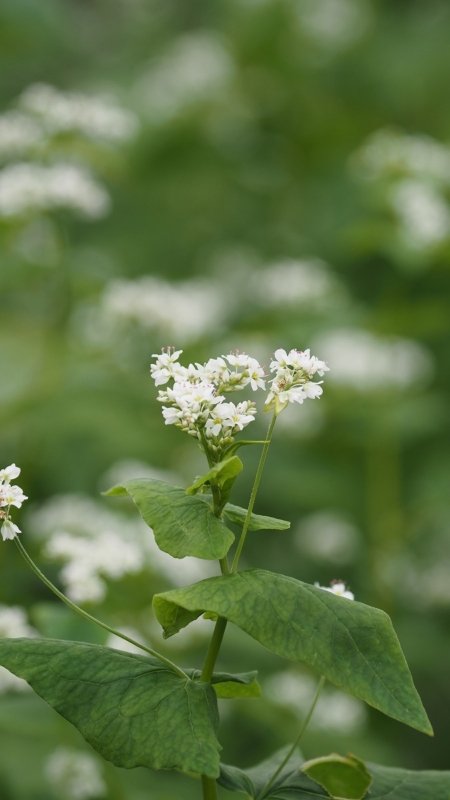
351 644
344 778
132 709
221 473
258 522
183 526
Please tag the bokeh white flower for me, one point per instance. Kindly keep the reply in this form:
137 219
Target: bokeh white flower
337 587
75 775
13 624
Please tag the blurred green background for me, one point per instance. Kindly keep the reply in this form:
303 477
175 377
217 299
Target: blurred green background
221 174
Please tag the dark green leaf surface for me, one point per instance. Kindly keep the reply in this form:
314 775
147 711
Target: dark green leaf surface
252 781
388 784
344 778
351 644
132 709
228 686
258 522
292 784
183 526
221 473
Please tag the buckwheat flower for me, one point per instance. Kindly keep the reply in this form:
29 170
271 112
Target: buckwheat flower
11 495
292 382
338 588
166 366
9 473
9 530
216 370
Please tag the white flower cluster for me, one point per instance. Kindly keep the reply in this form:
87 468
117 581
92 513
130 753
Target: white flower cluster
75 775
195 401
96 545
338 588
9 496
27 187
97 116
18 134
333 24
293 378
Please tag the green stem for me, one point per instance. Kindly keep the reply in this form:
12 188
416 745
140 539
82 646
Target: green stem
84 614
209 787
213 649
251 504
290 753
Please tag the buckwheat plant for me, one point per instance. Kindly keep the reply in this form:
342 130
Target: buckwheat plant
144 710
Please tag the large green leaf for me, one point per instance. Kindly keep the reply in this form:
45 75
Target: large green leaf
258 522
222 473
351 644
228 685
183 526
132 709
293 784
343 777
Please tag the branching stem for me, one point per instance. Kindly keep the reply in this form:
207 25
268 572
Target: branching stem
251 504
290 753
89 617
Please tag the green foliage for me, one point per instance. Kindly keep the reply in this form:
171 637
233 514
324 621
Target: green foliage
352 644
230 686
224 473
258 522
343 778
293 784
132 709
183 525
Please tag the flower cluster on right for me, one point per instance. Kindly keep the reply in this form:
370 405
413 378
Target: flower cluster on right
293 379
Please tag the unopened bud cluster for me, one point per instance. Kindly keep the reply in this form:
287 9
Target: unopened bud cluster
195 401
10 495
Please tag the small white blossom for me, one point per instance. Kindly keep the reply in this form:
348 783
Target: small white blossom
9 473
9 530
338 588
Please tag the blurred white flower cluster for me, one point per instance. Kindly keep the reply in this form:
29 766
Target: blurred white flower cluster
335 710
184 311
96 544
329 537
74 775
195 401
366 362
94 116
334 25
293 378
416 171
13 625
196 67
10 495
28 187
36 180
